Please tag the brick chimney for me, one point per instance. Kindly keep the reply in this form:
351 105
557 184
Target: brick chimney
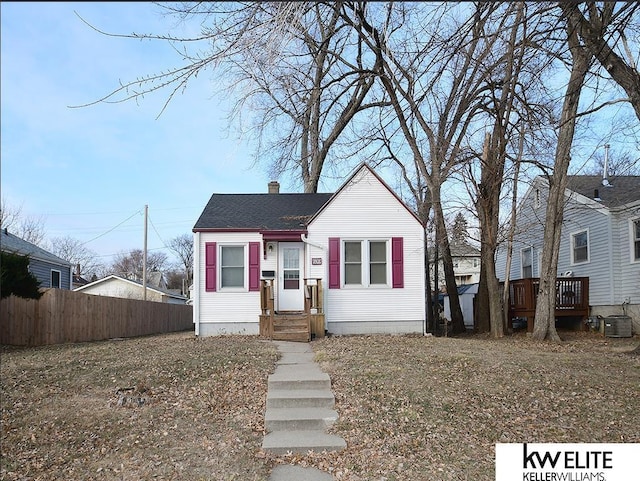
274 187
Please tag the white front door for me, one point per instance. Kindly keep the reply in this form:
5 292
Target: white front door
290 276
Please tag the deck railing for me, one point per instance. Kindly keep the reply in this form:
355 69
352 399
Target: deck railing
313 296
267 287
572 297
313 306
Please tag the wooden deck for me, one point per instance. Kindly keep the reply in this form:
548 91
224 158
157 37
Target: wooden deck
292 326
572 298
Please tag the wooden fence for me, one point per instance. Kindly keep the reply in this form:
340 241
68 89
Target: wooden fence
62 316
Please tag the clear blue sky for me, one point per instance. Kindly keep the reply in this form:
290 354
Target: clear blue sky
86 170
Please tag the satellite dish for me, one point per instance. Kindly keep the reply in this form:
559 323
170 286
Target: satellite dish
606 182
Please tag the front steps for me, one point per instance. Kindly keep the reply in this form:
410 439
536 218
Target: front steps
291 327
299 405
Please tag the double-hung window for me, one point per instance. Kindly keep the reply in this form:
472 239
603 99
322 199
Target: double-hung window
231 266
580 247
353 263
526 256
635 240
378 262
365 263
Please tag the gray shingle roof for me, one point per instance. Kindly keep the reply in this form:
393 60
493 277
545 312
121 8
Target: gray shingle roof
623 190
260 211
462 249
12 243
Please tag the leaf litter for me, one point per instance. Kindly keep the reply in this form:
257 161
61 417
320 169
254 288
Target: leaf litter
176 407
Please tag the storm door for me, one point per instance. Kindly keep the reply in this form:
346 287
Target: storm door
290 276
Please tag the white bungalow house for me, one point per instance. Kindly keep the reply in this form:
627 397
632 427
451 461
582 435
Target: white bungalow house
600 242
353 261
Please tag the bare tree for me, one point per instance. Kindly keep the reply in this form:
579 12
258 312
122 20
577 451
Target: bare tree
292 65
437 79
76 253
182 247
29 228
130 264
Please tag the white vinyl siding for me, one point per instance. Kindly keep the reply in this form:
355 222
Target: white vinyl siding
237 309
365 210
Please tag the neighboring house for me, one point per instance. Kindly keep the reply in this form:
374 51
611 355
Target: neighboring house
116 286
78 279
362 243
49 269
466 265
600 240
466 296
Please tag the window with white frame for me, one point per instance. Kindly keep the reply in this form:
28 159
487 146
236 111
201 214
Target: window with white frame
365 263
580 247
526 256
377 262
353 263
55 278
635 240
231 266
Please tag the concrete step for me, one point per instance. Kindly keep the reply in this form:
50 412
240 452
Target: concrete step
300 376
296 358
289 347
282 442
299 419
300 398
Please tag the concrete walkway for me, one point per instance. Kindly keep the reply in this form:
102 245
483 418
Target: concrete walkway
299 411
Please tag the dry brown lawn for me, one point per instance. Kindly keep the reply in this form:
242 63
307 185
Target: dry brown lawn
411 408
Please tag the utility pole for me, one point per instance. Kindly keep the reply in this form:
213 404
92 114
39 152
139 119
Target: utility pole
144 255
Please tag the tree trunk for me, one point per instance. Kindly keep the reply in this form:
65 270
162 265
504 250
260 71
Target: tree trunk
457 321
483 313
512 230
544 324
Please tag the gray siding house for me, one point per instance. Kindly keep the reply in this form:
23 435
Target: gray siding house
600 240
49 269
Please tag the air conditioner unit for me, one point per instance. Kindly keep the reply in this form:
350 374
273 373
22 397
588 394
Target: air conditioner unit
617 326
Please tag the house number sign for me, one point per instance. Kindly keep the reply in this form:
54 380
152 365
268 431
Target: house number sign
316 261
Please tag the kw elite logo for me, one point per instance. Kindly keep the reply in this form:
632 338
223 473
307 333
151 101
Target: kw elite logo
565 462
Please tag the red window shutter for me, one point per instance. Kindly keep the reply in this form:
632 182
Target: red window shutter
397 262
334 263
254 266
210 266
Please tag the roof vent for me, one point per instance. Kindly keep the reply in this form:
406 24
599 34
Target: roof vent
596 195
274 187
